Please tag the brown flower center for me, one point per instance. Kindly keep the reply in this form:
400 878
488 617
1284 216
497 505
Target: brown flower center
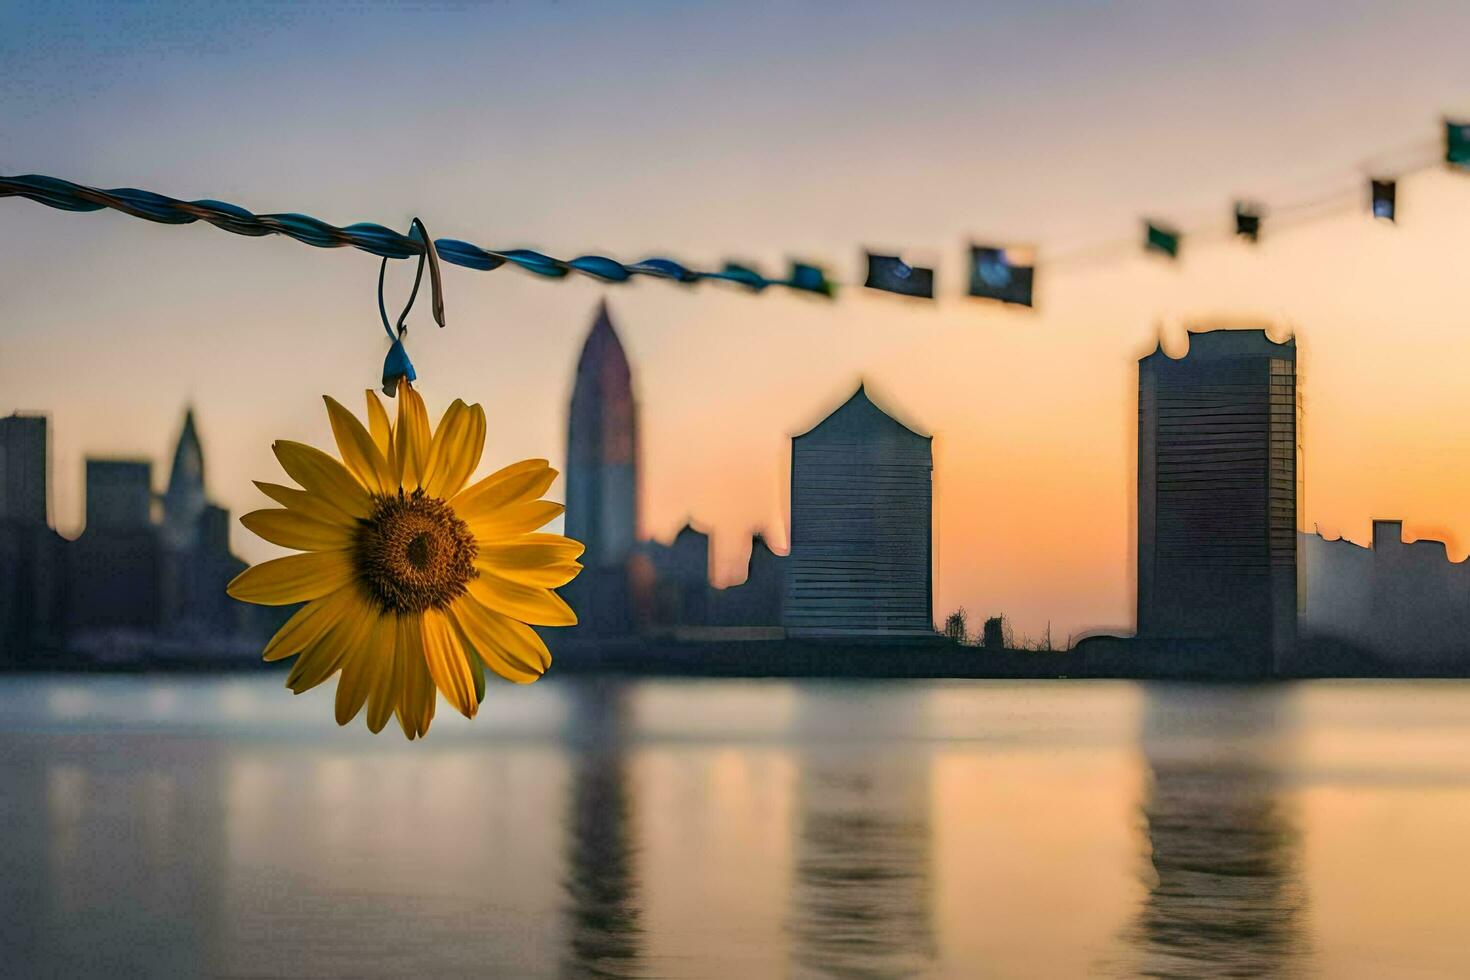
413 554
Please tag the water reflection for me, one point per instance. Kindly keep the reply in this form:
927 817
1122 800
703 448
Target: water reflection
1225 895
79 834
862 892
604 931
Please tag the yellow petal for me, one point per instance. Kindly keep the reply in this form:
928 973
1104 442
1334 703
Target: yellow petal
323 476
308 624
378 426
385 694
547 560
456 449
306 505
415 707
527 603
447 664
410 437
366 669
515 520
289 529
358 450
511 649
518 483
295 578
323 659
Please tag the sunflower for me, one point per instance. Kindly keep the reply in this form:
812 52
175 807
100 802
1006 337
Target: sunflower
411 580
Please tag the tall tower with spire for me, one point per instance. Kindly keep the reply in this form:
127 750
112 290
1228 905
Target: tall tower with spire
602 478
184 501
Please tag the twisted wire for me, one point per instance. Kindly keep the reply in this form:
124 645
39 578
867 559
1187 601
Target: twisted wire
382 241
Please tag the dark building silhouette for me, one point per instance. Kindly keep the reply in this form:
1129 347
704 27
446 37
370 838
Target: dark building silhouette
1218 496
757 601
861 563
129 586
602 480
676 587
1402 602
119 494
116 567
184 501
23 469
32 571
197 561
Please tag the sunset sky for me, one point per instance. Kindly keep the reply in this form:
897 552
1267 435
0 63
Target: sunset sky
758 132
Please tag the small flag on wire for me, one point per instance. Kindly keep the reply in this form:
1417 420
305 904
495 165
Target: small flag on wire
1248 221
1161 238
744 275
809 279
893 275
995 274
1457 144
1383 193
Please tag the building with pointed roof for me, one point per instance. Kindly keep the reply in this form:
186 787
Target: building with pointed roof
602 479
184 499
861 559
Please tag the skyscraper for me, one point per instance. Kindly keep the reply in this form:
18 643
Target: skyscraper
23 469
184 500
602 479
1218 495
31 555
861 527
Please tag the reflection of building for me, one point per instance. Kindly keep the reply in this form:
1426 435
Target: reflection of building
862 888
602 480
861 504
604 927
1400 601
1217 494
1225 896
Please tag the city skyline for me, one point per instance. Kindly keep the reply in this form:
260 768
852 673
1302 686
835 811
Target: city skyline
899 136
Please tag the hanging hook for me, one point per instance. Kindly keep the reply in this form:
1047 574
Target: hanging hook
397 365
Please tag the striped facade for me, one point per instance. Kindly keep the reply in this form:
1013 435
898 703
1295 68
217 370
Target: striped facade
861 521
1218 500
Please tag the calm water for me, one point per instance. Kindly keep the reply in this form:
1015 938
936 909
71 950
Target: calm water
739 829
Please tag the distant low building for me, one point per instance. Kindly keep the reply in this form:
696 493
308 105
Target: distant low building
676 590
757 601
1400 601
861 562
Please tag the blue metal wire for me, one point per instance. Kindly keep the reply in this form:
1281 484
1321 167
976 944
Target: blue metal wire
378 240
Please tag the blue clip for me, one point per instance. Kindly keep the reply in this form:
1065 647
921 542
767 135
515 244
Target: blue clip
396 366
